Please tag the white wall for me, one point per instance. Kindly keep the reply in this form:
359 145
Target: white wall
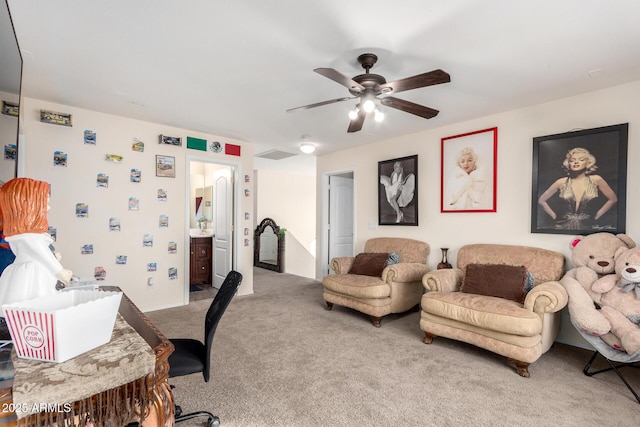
76 183
289 198
511 223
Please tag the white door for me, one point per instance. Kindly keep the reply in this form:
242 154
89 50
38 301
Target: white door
223 228
340 217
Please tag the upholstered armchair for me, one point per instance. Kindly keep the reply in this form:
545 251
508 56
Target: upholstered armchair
503 298
386 278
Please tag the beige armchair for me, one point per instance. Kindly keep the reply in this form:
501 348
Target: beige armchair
521 331
397 289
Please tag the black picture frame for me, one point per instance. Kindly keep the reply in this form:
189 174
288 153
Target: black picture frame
608 146
400 186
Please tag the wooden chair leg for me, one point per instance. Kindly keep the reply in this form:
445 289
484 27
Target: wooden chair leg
376 321
329 305
522 367
428 338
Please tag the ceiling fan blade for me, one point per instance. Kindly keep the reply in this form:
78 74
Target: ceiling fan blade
356 124
431 78
409 107
338 77
319 104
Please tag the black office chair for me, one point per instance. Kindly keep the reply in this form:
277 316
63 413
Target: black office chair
191 356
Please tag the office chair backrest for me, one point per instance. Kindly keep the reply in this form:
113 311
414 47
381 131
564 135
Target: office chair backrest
216 310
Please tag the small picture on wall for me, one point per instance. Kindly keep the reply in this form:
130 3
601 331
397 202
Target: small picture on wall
135 175
170 140
114 224
172 248
10 152
89 137
54 118
53 232
173 273
86 249
137 145
134 204
147 241
152 266
468 167
162 195
82 210
102 180
99 273
163 221
166 166
580 181
398 191
10 109
115 158
60 159
121 259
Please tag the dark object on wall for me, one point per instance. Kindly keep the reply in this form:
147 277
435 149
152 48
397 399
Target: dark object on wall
559 166
398 191
268 246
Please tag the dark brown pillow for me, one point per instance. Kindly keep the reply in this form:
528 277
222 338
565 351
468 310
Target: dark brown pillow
369 264
496 280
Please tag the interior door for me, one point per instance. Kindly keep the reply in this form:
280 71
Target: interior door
340 217
223 230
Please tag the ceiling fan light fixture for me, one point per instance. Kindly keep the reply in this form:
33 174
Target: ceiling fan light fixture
307 148
378 115
369 105
353 114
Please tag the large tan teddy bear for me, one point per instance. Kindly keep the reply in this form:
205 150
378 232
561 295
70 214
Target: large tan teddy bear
620 298
593 257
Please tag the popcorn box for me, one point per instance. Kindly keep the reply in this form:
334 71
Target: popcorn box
59 327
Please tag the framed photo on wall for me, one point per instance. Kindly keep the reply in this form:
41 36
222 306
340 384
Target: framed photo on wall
468 172
398 191
580 181
166 166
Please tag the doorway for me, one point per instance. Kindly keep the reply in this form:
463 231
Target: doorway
210 219
338 212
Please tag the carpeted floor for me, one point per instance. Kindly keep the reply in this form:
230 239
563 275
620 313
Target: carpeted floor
280 359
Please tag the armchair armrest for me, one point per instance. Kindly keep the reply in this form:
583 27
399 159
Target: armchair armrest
342 265
547 297
445 280
404 272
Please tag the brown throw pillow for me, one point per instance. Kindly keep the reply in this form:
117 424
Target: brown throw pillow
496 280
369 264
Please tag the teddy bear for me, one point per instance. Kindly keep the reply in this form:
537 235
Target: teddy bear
593 258
620 298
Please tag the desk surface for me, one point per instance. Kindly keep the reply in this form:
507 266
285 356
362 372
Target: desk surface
161 406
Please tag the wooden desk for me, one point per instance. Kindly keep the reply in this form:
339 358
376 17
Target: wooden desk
161 408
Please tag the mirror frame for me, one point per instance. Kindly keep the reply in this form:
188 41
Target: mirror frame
279 266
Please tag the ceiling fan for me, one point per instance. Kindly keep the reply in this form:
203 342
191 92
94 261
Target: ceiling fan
369 86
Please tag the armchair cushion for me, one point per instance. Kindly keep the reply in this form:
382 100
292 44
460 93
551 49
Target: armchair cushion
496 280
369 264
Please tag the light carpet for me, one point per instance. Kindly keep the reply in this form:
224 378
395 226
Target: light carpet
280 359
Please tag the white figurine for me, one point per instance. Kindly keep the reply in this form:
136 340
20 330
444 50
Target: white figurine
36 269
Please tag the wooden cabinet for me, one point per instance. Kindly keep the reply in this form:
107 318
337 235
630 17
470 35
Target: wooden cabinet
200 261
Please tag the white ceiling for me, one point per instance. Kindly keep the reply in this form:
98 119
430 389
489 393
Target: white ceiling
232 68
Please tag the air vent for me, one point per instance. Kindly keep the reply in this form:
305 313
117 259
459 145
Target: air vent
275 155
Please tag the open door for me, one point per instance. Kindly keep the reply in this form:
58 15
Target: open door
223 229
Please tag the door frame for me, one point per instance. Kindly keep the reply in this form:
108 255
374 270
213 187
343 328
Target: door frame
236 238
323 260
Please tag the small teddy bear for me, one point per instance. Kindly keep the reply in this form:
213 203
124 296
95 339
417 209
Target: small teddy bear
593 257
620 298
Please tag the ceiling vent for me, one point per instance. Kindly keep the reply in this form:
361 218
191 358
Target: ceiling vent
275 155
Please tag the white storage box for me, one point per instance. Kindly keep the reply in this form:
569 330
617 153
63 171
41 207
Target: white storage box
59 327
